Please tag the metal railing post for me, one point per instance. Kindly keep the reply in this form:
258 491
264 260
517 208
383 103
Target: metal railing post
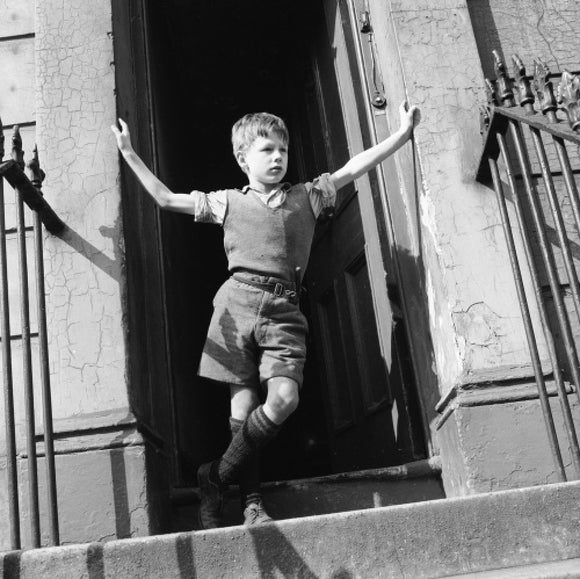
36 176
526 317
502 117
27 190
7 377
34 511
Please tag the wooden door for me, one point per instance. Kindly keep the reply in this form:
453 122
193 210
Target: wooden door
352 324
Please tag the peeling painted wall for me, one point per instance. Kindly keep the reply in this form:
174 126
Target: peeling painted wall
435 53
58 79
475 326
75 107
530 28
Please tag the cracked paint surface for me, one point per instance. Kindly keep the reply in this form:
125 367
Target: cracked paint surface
494 461
530 28
84 269
102 490
475 319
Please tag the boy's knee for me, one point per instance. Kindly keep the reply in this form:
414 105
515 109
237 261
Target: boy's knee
288 401
243 402
283 397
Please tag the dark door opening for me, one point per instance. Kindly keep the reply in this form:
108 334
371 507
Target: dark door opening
210 64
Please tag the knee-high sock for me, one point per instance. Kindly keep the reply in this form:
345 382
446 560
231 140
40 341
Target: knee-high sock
256 431
249 475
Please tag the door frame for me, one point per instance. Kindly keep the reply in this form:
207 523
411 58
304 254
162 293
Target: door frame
367 129
358 141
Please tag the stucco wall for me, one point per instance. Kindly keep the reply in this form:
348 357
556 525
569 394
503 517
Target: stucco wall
75 107
530 28
60 82
432 55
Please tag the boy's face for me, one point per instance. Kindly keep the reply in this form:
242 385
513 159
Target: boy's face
265 162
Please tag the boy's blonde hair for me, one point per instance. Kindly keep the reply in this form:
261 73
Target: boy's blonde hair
255 125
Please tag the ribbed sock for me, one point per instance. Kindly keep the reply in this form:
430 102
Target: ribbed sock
256 431
249 475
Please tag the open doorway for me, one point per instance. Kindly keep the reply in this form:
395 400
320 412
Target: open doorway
210 63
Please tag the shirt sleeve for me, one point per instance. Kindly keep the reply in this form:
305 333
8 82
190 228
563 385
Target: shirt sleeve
322 194
210 207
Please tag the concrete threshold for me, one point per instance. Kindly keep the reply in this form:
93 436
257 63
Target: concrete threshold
350 491
438 538
418 469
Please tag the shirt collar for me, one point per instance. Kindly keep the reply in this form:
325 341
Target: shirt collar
282 187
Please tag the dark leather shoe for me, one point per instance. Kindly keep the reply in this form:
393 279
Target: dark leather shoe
211 498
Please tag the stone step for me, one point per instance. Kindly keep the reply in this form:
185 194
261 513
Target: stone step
569 569
441 538
407 483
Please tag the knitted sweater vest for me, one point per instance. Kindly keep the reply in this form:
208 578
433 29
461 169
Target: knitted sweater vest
265 241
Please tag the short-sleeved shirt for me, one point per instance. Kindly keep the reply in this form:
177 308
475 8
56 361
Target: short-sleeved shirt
212 207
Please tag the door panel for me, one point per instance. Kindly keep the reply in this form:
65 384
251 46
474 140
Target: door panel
335 356
351 319
371 375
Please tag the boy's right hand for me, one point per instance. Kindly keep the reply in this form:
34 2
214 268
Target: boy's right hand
123 137
410 117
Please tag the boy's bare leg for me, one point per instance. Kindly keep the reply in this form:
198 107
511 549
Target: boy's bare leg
260 427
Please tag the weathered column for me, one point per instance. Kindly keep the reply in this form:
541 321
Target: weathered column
100 456
489 431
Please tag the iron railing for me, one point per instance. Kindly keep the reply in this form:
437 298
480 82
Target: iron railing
540 190
27 187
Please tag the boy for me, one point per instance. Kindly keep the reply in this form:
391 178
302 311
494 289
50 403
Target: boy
257 332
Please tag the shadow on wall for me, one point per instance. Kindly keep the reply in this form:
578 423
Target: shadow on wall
96 256
126 502
486 34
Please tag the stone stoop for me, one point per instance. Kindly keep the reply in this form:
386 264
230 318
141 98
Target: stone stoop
483 534
406 483
568 569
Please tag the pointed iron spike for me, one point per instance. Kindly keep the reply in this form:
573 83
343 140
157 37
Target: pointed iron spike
17 152
42 174
490 92
569 98
2 151
541 68
498 63
544 89
520 69
505 94
484 120
523 85
33 170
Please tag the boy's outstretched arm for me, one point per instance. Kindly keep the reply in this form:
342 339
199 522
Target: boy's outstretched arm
161 194
369 158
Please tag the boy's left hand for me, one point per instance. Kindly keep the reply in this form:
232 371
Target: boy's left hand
123 137
410 117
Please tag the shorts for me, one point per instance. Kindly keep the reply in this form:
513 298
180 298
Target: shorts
253 336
